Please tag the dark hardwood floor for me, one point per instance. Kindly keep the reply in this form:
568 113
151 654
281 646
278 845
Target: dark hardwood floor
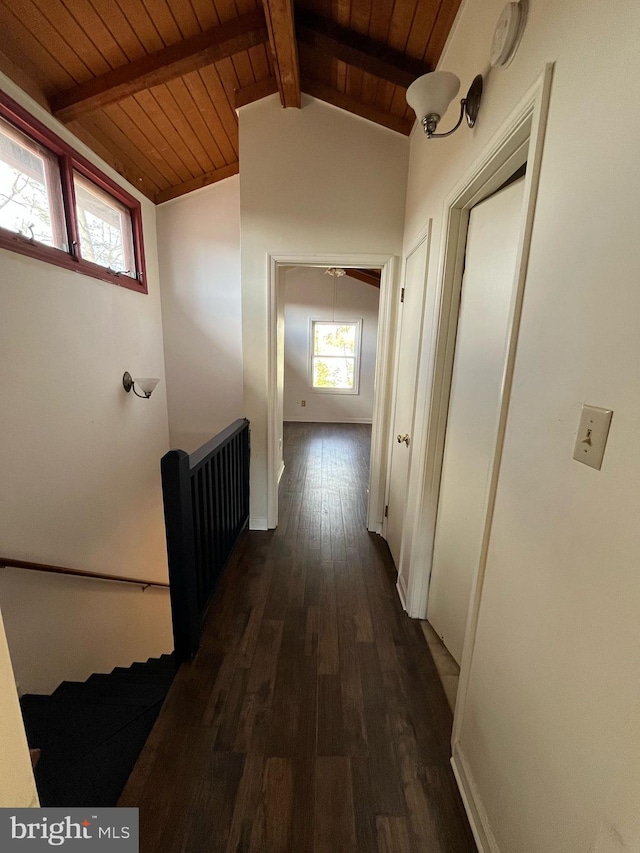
312 719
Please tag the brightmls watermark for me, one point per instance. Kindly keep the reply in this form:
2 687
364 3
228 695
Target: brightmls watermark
114 830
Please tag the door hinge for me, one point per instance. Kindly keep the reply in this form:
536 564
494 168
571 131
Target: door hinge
402 295
386 511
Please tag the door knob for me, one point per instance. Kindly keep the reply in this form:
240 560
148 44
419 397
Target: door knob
404 438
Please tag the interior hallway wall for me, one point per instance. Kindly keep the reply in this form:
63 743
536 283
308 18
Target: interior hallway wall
79 458
199 252
313 180
555 675
309 295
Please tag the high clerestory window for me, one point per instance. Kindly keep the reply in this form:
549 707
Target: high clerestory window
58 207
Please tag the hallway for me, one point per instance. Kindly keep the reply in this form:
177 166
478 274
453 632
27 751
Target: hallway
313 719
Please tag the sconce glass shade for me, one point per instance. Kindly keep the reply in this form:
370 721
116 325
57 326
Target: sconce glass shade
432 93
146 385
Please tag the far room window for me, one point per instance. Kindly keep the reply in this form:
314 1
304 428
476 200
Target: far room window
335 356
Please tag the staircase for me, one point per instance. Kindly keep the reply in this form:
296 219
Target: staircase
91 733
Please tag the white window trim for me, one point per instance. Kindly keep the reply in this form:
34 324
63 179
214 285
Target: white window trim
358 353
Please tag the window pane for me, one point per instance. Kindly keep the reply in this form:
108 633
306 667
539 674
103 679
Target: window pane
335 339
333 372
30 190
104 228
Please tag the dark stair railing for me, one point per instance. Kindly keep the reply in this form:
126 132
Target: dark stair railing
206 506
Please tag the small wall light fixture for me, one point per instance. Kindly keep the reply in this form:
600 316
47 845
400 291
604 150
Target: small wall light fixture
145 384
430 95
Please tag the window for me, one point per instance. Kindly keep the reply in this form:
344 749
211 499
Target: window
104 228
30 189
57 207
335 356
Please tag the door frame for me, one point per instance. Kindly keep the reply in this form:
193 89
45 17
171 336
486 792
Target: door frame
384 361
519 139
424 236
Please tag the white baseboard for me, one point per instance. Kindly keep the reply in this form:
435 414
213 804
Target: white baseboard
329 420
280 472
402 592
484 837
258 522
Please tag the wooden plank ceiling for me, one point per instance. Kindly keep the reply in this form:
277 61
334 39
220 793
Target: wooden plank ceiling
152 86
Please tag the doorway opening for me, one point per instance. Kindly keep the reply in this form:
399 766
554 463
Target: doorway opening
328 349
330 318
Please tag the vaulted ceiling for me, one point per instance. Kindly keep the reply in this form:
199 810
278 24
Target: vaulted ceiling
152 86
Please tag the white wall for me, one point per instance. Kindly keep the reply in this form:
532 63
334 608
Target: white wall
313 180
555 677
80 458
199 252
17 785
64 628
309 296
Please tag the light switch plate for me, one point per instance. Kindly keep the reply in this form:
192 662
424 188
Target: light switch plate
592 436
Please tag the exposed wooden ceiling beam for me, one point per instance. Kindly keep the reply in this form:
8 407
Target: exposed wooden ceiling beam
197 183
255 91
358 50
367 276
162 66
345 102
284 49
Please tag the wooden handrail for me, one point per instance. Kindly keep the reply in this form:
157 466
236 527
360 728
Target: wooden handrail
9 562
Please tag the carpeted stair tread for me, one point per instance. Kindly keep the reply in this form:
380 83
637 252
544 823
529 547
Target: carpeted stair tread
63 727
125 676
99 777
154 665
113 693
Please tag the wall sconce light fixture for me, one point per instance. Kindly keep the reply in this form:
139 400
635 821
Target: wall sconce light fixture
145 384
430 95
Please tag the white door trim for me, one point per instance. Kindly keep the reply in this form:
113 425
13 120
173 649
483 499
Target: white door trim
382 398
520 138
424 236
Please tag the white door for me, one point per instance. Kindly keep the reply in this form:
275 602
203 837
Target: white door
474 408
409 348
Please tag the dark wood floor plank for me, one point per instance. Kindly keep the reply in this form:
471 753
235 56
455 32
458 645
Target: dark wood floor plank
250 636
393 835
272 823
246 805
294 696
331 735
328 649
335 825
351 684
385 774
364 810
312 719
207 813
252 725
452 827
